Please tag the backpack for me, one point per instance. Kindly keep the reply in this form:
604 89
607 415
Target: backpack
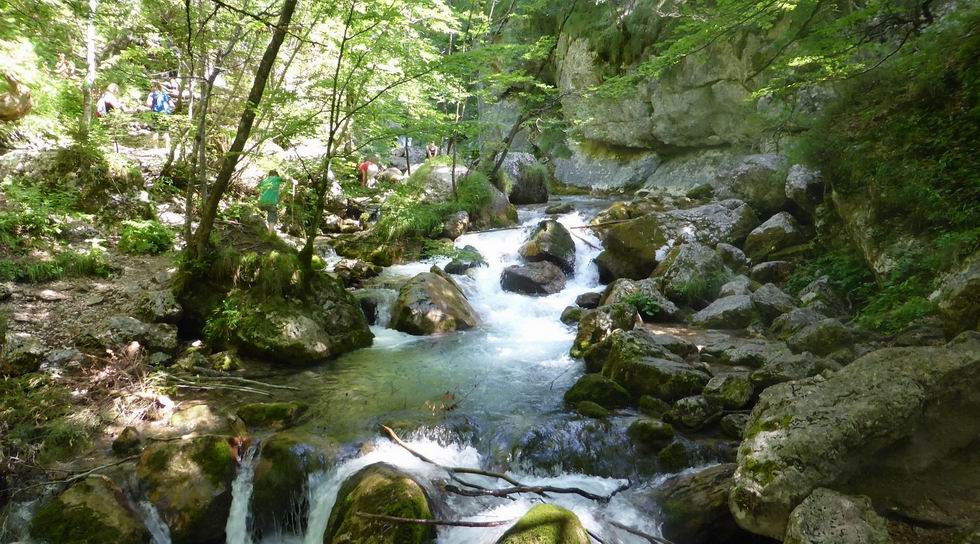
161 102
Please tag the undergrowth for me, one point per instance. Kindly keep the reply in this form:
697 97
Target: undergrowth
147 237
65 264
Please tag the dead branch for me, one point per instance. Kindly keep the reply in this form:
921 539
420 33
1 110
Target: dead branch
76 477
536 489
635 532
448 523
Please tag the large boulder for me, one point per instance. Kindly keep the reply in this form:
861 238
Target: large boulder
631 363
829 517
771 302
735 312
632 249
822 338
189 483
540 278
528 179
20 354
896 409
160 306
734 258
739 285
821 297
638 342
959 297
456 225
805 187
693 507
280 498
550 241
431 303
731 391
546 524
758 179
642 295
777 233
726 221
598 389
121 330
379 489
93 510
692 274
598 324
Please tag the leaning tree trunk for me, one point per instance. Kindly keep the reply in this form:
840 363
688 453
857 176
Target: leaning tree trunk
199 246
93 6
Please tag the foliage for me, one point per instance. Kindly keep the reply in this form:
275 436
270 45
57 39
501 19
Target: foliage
66 264
646 305
845 269
34 415
31 214
145 238
701 287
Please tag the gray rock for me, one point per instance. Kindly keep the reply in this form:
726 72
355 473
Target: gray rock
822 338
758 180
583 169
805 187
598 389
632 249
729 391
777 233
650 433
693 508
733 425
540 278
456 225
735 312
739 285
21 354
430 303
771 302
727 221
829 517
793 322
599 324
733 258
634 343
588 301
903 408
121 330
959 297
692 273
550 241
693 412
160 307
640 294
528 178
559 209
821 297
641 374
5 292
783 366
571 315
467 259
772 271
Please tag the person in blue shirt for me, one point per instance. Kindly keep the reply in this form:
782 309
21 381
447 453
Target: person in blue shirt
159 100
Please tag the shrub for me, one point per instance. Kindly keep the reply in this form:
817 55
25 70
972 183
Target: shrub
67 264
145 238
408 214
644 304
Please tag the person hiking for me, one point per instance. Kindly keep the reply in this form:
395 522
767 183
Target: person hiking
269 199
108 101
159 100
431 150
368 170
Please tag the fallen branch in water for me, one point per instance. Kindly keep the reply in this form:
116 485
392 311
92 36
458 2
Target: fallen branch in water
238 379
635 532
446 522
76 477
588 243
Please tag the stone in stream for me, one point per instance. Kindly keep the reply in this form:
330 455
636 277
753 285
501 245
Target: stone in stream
540 278
598 389
693 508
431 303
91 510
735 312
274 415
559 209
587 408
589 301
598 324
829 517
571 315
650 433
467 258
632 249
636 342
550 241
456 225
693 413
189 483
897 409
546 524
529 179
729 391
384 490
642 295
636 364
692 273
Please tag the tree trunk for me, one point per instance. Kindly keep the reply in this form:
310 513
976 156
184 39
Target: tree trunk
202 236
87 105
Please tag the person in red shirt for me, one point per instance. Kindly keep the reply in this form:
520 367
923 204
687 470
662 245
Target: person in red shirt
368 170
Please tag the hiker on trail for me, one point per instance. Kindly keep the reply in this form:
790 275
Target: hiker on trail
159 100
431 150
368 170
269 199
109 102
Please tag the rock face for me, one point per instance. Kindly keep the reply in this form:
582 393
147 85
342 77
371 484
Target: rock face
805 187
959 298
546 524
899 409
735 312
431 303
540 278
598 324
694 507
584 169
280 502
529 178
692 273
778 232
550 242
379 489
92 510
189 483
642 295
632 249
828 517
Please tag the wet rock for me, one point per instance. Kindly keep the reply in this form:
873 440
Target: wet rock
805 187
189 483
467 259
598 324
572 444
122 330
733 425
729 391
959 297
772 271
735 312
546 524
727 221
642 374
21 354
431 303
550 241
587 408
127 442
528 178
771 302
650 433
677 456
821 338
642 295
778 232
829 517
275 415
693 508
739 285
739 352
198 417
559 209
456 225
758 180
821 297
793 322
895 407
540 278
160 307
379 489
733 258
598 389
653 406
92 510
280 498
693 412
632 249
353 272
571 315
588 301
635 343
692 274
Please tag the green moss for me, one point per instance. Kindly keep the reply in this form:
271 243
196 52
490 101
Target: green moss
271 414
588 408
78 524
216 459
546 524
379 489
598 389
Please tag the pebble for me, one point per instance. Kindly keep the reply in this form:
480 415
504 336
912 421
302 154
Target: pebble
49 295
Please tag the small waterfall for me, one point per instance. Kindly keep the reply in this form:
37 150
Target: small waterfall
237 530
159 532
386 299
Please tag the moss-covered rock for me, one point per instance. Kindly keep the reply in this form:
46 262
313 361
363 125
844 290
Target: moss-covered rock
646 368
280 499
735 312
431 303
693 412
598 389
550 241
642 295
588 408
92 511
652 406
692 274
776 233
651 433
546 524
729 391
676 456
128 441
189 483
571 315
379 489
598 324
276 415
631 249
20 354
693 507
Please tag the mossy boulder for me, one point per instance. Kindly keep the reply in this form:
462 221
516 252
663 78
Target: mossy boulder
694 412
734 312
92 511
128 441
729 391
775 234
379 489
677 456
189 483
822 338
642 295
959 297
588 408
598 324
546 524
571 315
550 241
276 415
771 302
20 354
693 508
650 433
692 274
632 249
280 499
598 389
829 517
432 303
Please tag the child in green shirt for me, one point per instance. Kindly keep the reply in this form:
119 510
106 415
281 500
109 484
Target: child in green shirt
269 198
